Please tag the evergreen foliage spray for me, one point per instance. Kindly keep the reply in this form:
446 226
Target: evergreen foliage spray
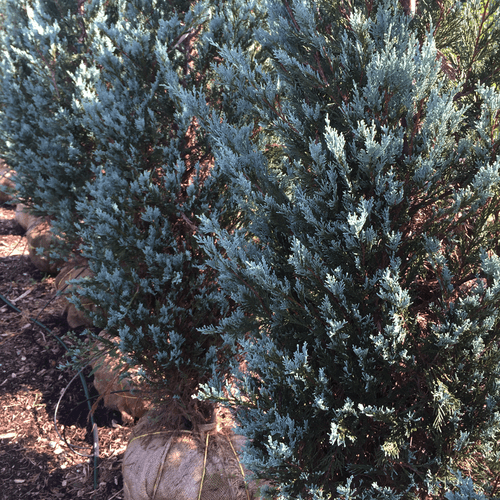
152 178
366 268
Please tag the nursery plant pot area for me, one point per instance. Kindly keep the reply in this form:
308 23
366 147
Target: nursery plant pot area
35 462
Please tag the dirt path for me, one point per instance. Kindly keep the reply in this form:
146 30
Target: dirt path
35 463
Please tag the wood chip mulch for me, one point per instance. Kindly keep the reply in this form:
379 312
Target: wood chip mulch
35 463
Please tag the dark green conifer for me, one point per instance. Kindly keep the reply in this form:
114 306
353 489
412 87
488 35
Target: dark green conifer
366 268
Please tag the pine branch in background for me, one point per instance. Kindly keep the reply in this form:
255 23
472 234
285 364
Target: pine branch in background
467 39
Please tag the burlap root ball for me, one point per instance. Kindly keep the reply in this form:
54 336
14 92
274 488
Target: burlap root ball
121 394
40 235
162 464
25 219
75 269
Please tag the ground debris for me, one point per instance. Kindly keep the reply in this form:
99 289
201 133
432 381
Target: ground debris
34 462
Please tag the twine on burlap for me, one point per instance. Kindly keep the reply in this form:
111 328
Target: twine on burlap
160 469
158 432
165 453
241 468
204 466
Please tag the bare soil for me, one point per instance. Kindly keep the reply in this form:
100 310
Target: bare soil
35 461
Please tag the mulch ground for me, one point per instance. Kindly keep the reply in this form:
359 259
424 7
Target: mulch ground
35 459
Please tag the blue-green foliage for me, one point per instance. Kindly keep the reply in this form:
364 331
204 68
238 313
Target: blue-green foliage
151 181
102 141
41 136
349 217
365 273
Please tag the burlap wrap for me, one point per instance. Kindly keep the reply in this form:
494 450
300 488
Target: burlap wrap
183 465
